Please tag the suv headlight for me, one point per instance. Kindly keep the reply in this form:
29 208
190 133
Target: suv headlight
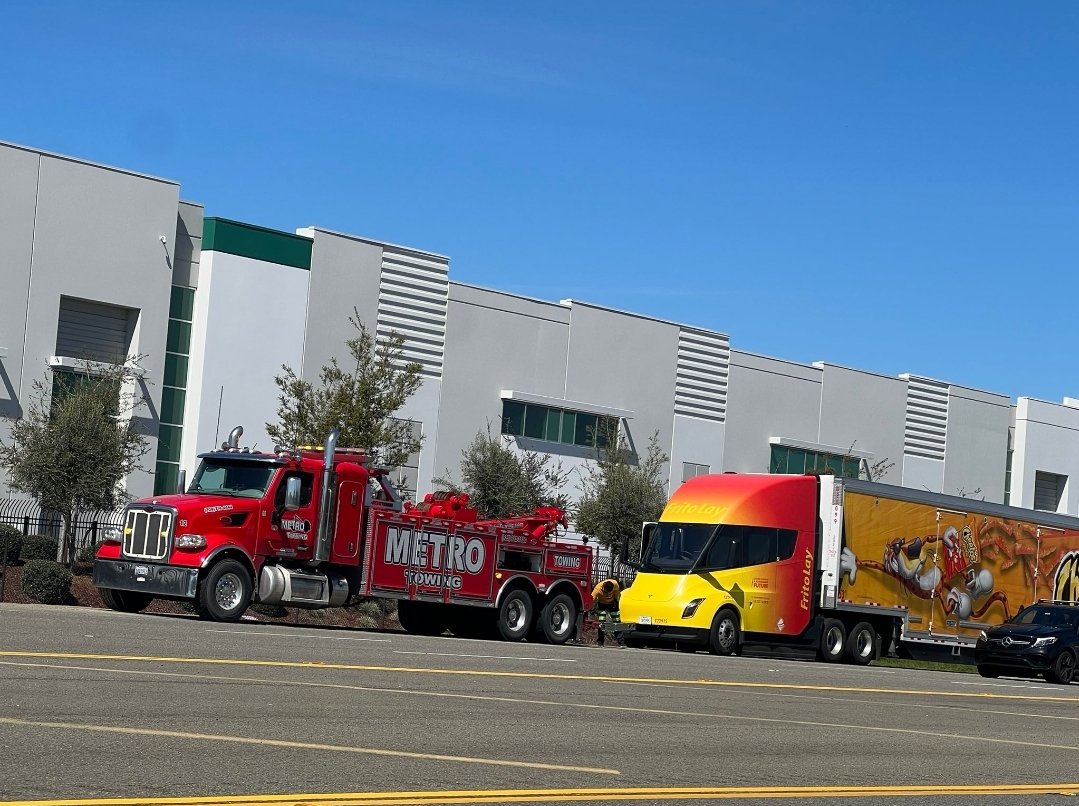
982 637
189 542
1046 641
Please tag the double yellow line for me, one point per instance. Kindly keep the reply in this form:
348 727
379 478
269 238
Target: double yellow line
587 795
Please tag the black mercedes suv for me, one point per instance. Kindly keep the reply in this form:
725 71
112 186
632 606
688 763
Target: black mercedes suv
1040 639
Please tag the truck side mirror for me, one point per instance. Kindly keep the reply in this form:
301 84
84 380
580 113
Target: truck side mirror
292 493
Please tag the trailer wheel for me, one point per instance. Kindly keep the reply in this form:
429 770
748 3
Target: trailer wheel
515 615
125 601
225 591
558 619
862 644
833 641
725 637
422 618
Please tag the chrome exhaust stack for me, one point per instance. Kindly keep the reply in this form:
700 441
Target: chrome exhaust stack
327 501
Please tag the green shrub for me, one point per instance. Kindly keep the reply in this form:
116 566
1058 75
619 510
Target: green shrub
88 553
39 547
46 581
10 544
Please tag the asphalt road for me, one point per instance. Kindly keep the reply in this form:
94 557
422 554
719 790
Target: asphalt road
96 704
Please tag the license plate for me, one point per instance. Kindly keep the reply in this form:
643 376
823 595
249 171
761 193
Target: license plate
142 570
644 620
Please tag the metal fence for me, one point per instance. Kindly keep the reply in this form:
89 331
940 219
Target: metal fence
606 566
30 519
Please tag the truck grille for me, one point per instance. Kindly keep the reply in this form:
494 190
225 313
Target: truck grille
147 533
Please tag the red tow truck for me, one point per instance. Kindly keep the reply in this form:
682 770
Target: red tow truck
315 528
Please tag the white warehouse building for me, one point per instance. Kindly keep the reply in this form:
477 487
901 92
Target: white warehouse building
98 262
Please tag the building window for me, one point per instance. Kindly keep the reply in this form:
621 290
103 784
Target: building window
691 470
1049 491
558 425
174 389
798 460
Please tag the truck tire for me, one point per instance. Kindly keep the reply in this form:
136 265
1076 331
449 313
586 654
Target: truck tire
833 641
725 637
1063 668
125 601
422 618
862 644
225 591
515 615
558 619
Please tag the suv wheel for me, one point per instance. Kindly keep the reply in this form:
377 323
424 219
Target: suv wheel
1063 668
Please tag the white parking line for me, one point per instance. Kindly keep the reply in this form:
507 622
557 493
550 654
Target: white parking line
489 657
1006 685
259 633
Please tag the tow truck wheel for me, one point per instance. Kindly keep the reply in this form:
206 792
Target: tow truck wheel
725 639
833 640
125 601
558 619
225 591
515 615
862 644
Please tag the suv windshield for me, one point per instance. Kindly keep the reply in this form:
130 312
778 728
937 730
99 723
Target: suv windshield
242 478
1049 616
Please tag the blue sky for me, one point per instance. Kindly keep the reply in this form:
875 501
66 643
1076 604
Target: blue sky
885 185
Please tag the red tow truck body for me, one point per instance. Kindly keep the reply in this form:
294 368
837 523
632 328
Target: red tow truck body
321 528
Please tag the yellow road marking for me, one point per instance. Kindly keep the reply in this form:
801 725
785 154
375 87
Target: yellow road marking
175 734
952 737
537 675
452 796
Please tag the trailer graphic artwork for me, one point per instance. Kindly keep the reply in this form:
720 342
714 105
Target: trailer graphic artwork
956 572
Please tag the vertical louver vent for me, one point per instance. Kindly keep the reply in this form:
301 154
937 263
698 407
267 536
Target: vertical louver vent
927 418
412 301
704 363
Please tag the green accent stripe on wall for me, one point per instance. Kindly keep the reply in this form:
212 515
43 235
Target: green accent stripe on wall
259 243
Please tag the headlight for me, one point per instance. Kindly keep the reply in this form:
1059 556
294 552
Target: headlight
982 637
691 608
1051 639
114 535
189 542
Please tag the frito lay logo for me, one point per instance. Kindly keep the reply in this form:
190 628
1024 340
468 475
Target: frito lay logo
434 557
807 581
1066 583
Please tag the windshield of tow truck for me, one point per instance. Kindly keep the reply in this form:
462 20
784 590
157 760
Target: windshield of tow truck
236 477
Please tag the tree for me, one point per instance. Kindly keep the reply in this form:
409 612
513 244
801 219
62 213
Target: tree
77 442
619 495
359 399
501 482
